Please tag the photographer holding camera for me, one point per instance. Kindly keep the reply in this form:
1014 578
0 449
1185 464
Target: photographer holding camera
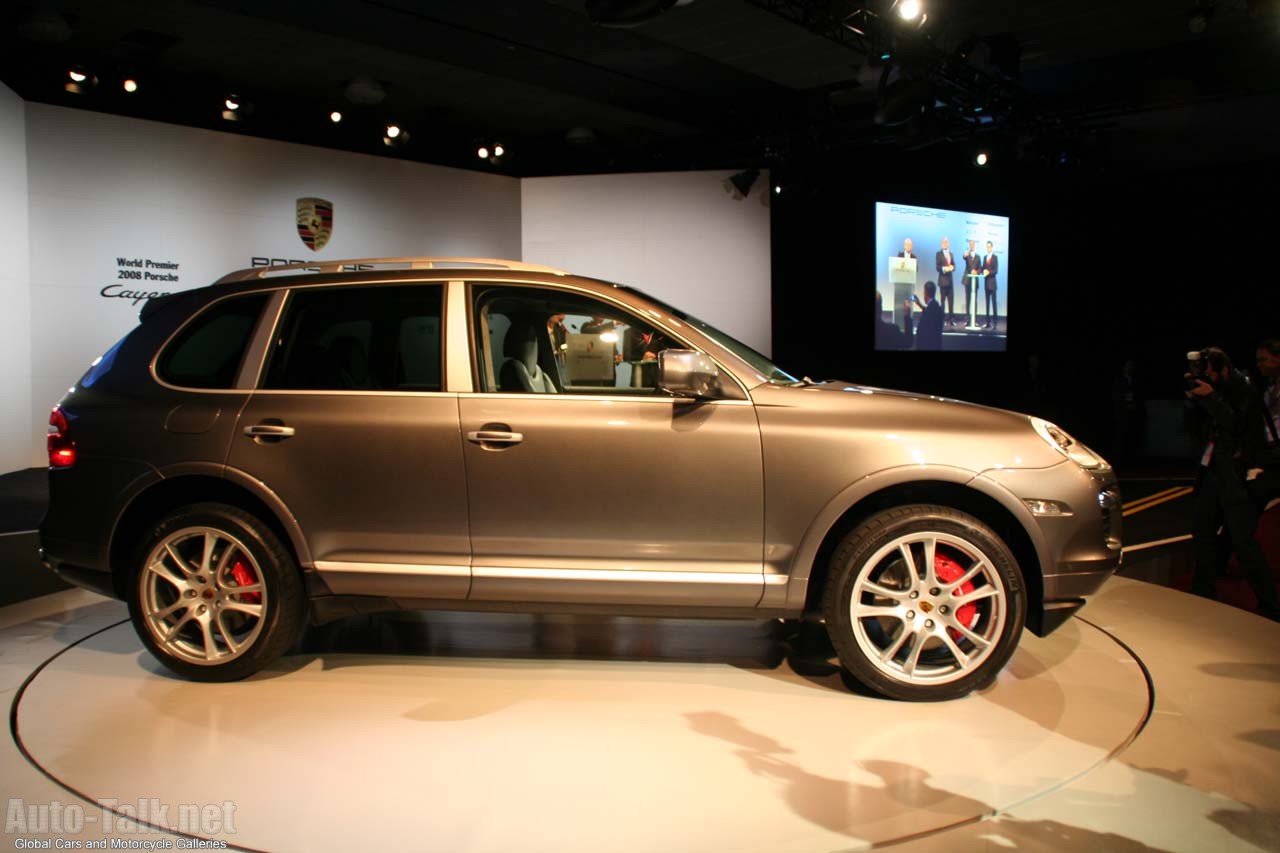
1225 416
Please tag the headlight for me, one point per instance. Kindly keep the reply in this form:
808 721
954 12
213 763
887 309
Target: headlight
1061 441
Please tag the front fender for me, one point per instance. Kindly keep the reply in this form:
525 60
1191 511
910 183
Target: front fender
805 555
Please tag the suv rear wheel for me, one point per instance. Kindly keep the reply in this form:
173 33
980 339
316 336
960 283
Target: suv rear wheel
924 603
214 594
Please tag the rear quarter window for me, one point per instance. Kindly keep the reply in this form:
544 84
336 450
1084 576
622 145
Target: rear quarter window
208 351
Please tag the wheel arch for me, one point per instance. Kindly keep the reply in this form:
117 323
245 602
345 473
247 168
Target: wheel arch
950 487
199 485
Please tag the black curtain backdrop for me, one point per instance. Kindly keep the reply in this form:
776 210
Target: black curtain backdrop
1106 264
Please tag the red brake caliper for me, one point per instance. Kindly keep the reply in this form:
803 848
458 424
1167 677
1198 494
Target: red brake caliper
244 577
949 571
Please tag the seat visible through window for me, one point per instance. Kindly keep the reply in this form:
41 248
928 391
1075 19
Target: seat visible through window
520 370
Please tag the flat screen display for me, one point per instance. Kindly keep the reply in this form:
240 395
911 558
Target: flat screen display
942 279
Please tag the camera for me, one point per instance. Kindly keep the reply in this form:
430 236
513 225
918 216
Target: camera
1197 369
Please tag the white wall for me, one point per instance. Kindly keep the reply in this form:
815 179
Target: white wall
15 295
78 190
680 236
104 187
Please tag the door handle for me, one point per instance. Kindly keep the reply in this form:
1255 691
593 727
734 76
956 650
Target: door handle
494 436
269 431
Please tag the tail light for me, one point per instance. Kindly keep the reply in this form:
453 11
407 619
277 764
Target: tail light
62 448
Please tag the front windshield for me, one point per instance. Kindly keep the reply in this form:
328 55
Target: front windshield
766 368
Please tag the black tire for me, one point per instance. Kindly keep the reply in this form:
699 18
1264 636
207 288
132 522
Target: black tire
282 602
868 553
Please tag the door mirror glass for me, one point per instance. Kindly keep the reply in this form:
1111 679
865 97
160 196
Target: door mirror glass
688 373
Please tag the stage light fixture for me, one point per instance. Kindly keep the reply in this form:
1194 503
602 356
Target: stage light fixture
236 108
79 80
335 116
130 85
777 189
498 150
982 159
909 10
395 136
482 153
742 181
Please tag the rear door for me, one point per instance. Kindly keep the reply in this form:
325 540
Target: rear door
350 428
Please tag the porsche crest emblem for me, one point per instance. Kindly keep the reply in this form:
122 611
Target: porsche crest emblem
315 222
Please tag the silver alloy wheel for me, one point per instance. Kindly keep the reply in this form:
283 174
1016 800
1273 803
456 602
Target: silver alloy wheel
192 601
913 625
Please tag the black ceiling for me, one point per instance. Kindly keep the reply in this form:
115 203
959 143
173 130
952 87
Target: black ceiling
708 83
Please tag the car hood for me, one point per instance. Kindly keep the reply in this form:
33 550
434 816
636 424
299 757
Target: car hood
910 428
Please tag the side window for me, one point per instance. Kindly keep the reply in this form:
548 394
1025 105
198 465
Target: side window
383 338
208 351
541 341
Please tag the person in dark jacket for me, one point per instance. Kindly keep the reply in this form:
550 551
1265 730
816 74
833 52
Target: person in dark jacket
1225 415
928 331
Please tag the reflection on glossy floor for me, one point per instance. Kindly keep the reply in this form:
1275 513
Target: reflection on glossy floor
488 732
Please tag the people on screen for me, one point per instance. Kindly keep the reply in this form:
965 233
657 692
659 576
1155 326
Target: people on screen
972 267
928 332
906 249
946 266
990 267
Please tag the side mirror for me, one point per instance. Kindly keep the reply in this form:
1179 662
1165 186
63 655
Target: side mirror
688 373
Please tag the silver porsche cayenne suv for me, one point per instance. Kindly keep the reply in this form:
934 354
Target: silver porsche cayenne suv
302 443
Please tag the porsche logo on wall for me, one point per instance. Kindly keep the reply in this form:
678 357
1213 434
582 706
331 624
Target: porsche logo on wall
315 222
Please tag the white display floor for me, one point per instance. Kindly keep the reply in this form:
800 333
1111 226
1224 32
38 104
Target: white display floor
498 732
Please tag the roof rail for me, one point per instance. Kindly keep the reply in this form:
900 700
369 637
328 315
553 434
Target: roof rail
371 263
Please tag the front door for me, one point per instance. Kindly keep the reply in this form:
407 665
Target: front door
350 429
588 485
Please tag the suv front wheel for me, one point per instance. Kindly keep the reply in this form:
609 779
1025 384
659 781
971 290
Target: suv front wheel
214 594
924 603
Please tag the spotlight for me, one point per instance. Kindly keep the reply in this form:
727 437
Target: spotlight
742 181
982 158
1200 17
130 85
482 153
498 150
393 131
395 136
79 80
335 116
777 189
909 10
236 108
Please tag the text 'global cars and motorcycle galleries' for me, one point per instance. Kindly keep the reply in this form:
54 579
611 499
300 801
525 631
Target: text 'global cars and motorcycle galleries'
304 442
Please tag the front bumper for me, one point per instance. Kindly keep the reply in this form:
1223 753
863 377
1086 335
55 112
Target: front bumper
1077 552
